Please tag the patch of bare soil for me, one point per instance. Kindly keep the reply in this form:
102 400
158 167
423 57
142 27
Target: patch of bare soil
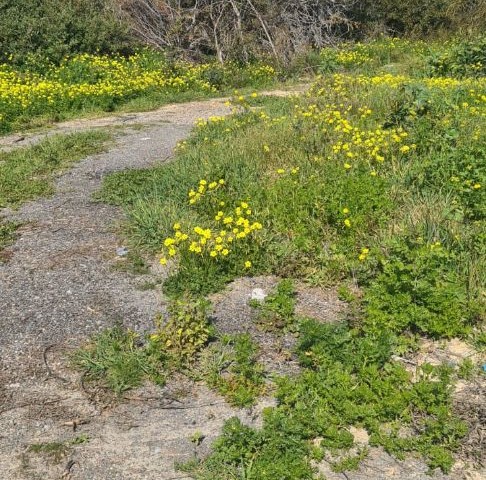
233 314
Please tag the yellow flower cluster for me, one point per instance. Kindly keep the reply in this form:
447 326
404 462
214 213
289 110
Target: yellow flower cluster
352 142
91 80
221 238
364 254
203 188
352 57
347 221
292 171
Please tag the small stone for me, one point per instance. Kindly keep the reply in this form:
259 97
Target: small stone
258 294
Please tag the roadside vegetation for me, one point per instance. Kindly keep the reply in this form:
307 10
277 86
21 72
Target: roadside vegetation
85 83
28 173
372 181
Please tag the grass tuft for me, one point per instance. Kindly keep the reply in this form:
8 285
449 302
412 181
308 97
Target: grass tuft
28 173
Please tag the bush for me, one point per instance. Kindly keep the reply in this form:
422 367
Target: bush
465 58
33 32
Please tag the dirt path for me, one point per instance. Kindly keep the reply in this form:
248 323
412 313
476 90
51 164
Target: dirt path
174 113
59 287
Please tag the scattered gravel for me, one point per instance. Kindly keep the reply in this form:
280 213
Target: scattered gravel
60 286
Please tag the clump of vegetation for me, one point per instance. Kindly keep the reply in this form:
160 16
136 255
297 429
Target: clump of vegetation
277 312
231 367
52 29
185 332
418 289
222 242
7 234
121 360
56 451
27 173
461 59
118 359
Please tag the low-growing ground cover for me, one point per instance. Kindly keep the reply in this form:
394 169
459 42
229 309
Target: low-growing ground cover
373 181
90 83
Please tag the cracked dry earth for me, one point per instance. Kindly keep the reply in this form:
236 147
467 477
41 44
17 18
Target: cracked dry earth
60 286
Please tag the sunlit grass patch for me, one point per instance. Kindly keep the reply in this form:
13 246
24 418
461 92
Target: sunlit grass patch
28 173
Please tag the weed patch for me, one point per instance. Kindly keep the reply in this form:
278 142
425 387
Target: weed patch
118 359
347 380
28 173
185 332
277 312
56 451
231 367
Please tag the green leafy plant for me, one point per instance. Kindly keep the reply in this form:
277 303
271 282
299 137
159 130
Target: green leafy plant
418 289
464 58
231 367
118 359
277 312
186 330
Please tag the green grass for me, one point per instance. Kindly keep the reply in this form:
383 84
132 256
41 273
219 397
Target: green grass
28 173
56 451
118 360
370 179
231 367
277 312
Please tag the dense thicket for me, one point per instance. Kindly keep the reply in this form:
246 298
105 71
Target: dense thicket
53 28
229 29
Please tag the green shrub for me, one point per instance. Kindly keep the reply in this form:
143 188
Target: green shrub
36 32
464 58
